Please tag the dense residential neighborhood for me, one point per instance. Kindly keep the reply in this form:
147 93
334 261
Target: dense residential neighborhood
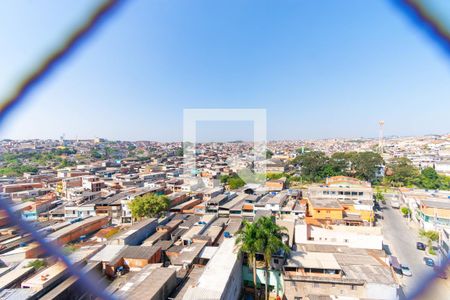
328 220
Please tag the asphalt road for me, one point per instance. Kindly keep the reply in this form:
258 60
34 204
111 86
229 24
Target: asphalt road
400 239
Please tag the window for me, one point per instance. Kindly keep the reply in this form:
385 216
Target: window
290 269
316 284
328 211
345 241
333 284
318 211
275 260
353 287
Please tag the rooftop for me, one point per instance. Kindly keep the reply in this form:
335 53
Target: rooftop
213 281
313 260
325 203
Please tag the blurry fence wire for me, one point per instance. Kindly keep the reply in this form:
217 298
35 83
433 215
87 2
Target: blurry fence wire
90 285
57 57
415 9
23 89
425 17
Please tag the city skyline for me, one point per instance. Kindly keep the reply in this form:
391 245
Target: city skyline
374 138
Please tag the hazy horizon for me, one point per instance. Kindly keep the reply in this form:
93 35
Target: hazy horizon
229 141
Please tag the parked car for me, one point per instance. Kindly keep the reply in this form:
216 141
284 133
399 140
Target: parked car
420 246
379 216
406 271
440 274
395 204
429 261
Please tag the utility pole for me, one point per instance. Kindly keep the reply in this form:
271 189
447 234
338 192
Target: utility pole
381 137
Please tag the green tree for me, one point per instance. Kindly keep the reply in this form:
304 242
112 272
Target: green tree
431 236
236 182
312 164
269 154
37 264
249 242
430 179
316 166
233 181
379 195
179 152
149 205
270 176
340 162
66 163
96 154
405 211
224 178
270 238
402 172
365 165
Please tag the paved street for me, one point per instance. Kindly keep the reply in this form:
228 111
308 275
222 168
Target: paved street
401 240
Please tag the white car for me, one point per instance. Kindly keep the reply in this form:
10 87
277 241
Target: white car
395 204
406 271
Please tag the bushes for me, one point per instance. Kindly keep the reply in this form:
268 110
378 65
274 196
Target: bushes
405 211
401 172
37 264
431 236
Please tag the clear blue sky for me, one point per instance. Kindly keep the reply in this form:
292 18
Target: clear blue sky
320 68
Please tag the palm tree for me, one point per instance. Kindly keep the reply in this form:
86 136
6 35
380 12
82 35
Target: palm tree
270 236
249 242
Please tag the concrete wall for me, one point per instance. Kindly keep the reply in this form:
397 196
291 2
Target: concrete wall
234 284
303 288
381 291
338 237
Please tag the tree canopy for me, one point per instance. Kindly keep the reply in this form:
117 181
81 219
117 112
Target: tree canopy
402 172
149 205
316 165
233 181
